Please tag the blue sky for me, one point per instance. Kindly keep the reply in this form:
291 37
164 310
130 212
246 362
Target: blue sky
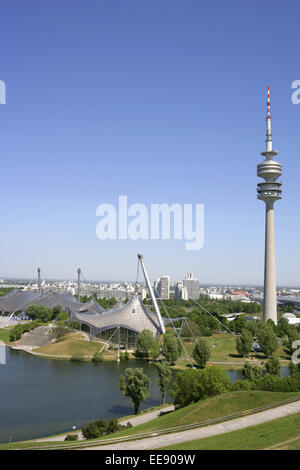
162 101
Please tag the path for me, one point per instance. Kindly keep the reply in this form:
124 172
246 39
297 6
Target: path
163 441
143 418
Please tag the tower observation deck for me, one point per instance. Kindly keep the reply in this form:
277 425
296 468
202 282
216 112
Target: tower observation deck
269 191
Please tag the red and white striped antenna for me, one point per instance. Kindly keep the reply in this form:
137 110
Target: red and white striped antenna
269 105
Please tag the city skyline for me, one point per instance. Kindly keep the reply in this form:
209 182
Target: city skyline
163 103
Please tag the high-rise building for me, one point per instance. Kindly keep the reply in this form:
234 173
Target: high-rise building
180 292
162 287
192 286
269 192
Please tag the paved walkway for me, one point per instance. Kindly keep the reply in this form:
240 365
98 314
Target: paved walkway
143 418
208 431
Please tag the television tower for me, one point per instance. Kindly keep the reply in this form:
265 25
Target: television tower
269 192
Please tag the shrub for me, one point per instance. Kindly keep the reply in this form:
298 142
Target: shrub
242 385
77 358
193 385
71 437
250 372
16 332
62 316
102 428
97 357
273 365
272 383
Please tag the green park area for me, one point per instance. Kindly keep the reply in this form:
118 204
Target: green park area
71 344
202 412
280 434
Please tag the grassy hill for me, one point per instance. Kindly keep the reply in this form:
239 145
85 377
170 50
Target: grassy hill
73 343
215 407
280 434
200 412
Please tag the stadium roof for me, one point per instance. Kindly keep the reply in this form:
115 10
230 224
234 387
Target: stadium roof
133 315
19 300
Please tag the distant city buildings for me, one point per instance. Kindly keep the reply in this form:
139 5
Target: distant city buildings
162 287
180 292
192 286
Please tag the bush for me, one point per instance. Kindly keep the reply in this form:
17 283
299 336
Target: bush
250 372
193 385
62 316
102 428
71 437
242 385
272 383
59 331
16 332
273 365
97 357
77 358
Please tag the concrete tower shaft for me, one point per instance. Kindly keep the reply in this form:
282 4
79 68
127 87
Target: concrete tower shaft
269 192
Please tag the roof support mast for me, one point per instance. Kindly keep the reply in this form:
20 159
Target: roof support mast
148 282
78 284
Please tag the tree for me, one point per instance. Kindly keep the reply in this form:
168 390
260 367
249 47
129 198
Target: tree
244 342
273 365
212 381
171 347
59 332
135 385
267 340
164 378
201 352
250 372
147 345
193 385
183 386
39 312
56 311
239 324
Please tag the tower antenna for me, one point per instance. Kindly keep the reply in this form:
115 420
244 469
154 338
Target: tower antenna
269 192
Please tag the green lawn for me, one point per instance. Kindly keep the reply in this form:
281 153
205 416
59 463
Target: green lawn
4 334
71 344
215 407
283 433
223 349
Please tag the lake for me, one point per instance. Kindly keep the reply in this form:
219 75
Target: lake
40 397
